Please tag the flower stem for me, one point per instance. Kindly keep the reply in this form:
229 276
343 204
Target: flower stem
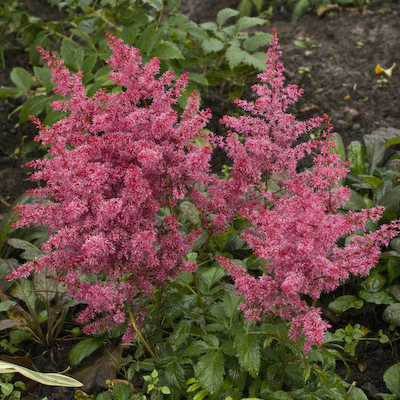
140 336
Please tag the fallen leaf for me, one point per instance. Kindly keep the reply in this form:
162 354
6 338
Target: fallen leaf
102 369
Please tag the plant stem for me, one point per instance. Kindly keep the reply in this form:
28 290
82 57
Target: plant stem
140 336
196 283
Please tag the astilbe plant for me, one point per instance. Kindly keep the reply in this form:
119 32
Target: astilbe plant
114 162
296 228
117 159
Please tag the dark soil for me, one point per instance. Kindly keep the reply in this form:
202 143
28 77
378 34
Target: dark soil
342 83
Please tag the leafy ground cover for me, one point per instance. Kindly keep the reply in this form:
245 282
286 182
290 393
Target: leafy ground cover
334 59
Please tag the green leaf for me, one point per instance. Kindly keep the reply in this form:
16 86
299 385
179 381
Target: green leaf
356 394
279 395
194 76
392 379
231 303
49 379
356 201
72 53
247 22
104 396
174 5
210 371
380 297
33 106
356 155
235 56
175 375
248 350
7 305
374 283
235 91
167 51
83 4
157 4
391 315
44 77
339 146
209 277
375 145
212 45
299 43
373 180
180 334
225 14
121 391
343 303
198 347
209 26
257 40
391 202
256 60
23 289
22 79
83 349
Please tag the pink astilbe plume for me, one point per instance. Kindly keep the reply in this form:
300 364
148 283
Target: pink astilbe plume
115 161
296 227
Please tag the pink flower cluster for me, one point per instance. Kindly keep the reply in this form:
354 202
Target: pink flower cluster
295 226
117 159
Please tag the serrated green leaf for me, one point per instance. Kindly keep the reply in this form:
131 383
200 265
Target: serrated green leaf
257 40
231 302
33 106
392 379
44 77
176 375
121 391
180 334
88 63
209 277
167 51
256 60
198 347
212 45
235 56
22 79
279 395
248 350
210 371
247 22
209 26
225 14
174 5
72 53
83 349
83 4
194 76
157 4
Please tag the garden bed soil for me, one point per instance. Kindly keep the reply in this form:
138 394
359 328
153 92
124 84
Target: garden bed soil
344 49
